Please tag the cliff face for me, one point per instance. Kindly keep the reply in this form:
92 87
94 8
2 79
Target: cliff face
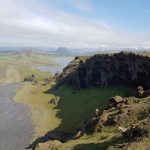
122 68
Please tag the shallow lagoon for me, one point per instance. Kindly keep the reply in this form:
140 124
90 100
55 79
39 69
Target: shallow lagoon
60 61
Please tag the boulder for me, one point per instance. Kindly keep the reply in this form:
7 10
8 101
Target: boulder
140 91
95 124
115 100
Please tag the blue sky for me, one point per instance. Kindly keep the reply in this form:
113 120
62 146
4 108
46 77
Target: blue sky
75 23
131 15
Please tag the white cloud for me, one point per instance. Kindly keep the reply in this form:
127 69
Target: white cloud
32 23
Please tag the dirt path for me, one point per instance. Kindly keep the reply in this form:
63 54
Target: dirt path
12 75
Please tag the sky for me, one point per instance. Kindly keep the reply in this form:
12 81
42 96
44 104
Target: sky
75 23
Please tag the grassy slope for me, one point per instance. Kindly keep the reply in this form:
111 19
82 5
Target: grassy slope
43 115
76 107
99 141
72 110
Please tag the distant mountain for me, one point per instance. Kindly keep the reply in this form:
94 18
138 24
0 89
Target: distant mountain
66 51
62 51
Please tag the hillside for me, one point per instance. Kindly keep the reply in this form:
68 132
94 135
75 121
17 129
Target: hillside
134 119
112 116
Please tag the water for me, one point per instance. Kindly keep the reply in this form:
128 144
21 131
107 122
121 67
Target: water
61 63
16 128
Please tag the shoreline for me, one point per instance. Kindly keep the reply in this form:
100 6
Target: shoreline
29 109
42 114
32 112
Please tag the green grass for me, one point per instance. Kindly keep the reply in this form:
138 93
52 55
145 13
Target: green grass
24 65
73 108
76 107
43 114
26 71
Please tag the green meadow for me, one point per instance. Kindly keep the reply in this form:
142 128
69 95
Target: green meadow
73 109
77 106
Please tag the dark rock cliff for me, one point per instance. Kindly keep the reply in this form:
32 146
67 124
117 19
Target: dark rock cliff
122 68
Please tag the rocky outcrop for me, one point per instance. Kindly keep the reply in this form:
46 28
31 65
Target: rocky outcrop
114 101
122 68
135 132
138 136
31 78
120 113
141 93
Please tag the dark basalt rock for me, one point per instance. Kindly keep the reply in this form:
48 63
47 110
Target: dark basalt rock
122 68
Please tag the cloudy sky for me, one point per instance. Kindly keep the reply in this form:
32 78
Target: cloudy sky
75 23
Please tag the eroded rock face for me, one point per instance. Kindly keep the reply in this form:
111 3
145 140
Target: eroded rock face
109 69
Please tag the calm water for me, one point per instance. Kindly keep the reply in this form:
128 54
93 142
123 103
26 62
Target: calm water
61 63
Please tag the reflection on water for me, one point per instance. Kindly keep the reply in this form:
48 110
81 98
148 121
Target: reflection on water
61 63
